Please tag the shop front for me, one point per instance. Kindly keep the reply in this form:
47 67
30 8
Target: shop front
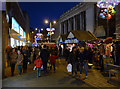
17 35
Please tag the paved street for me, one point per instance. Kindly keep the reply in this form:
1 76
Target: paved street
59 79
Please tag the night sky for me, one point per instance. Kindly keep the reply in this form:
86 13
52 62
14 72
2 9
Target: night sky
39 11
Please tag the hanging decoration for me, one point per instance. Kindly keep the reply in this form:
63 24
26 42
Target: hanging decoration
107 8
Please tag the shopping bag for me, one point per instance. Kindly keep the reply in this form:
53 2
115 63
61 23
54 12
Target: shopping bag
42 67
34 68
69 67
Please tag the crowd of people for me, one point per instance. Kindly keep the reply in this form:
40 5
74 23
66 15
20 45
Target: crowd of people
42 55
24 55
19 56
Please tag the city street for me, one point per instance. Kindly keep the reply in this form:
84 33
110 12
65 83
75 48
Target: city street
59 79
81 40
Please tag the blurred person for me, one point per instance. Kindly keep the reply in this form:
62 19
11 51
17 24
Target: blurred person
73 60
8 51
66 53
83 61
53 60
44 56
13 60
20 62
25 59
38 63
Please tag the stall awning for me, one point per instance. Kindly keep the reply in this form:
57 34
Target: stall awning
81 35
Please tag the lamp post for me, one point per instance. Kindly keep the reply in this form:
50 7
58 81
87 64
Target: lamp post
54 22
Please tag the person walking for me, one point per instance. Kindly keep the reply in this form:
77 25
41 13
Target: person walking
53 60
25 59
44 56
38 63
13 59
8 51
83 61
19 62
73 60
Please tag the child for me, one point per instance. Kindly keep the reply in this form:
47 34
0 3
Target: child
52 60
38 63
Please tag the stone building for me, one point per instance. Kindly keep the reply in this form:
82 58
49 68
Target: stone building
85 16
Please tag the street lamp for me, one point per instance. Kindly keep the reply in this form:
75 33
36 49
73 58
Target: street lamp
36 29
41 29
54 22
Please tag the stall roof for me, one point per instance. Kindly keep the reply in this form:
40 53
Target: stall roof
83 35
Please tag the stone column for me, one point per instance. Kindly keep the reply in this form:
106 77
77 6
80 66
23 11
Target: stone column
64 28
74 23
60 28
69 25
80 22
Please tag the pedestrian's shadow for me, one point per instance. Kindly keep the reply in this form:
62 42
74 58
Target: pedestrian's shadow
77 82
64 80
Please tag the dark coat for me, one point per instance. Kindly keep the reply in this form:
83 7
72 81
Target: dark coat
72 57
44 55
81 57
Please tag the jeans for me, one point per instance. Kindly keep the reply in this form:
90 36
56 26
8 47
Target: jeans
74 68
85 67
12 68
38 72
53 67
20 69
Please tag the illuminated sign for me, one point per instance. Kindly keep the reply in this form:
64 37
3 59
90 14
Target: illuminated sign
15 25
24 35
21 31
71 41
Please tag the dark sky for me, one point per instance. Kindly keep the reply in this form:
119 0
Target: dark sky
39 11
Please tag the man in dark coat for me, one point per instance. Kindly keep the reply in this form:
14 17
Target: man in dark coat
25 59
73 60
44 56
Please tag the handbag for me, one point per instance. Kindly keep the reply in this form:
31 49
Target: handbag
42 67
69 67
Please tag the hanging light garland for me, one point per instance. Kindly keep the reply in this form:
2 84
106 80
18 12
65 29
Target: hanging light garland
107 8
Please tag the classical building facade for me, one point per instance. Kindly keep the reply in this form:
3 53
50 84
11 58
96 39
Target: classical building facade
80 17
85 16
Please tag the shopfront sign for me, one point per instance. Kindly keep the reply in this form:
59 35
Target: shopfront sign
15 25
71 41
